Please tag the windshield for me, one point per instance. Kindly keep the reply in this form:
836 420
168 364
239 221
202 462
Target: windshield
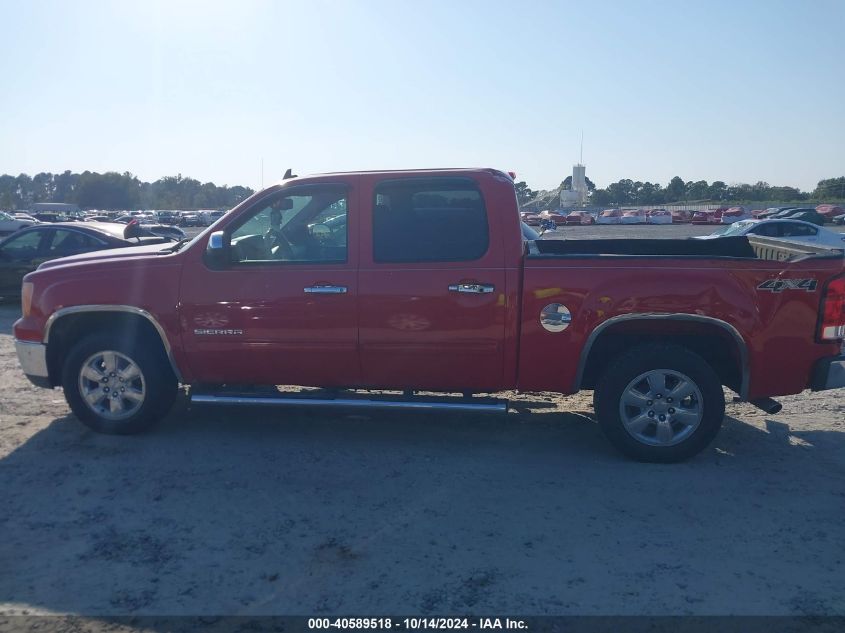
736 228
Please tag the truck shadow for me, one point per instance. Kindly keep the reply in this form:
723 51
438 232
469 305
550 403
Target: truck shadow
250 511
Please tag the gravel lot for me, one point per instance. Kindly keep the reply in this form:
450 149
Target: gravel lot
223 511
258 512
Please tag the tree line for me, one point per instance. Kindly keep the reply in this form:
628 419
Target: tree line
630 192
113 191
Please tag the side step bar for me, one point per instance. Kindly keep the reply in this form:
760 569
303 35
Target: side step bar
482 406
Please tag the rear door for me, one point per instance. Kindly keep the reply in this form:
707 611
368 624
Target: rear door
432 286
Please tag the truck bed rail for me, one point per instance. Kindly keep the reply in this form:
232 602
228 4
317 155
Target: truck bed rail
741 247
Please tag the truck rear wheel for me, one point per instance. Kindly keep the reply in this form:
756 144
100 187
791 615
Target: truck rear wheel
659 403
116 386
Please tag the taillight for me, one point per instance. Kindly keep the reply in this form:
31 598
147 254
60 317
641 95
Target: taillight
26 298
833 311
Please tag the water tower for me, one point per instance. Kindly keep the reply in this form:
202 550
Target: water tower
577 193
579 183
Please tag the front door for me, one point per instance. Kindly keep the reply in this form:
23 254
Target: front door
432 287
283 311
19 255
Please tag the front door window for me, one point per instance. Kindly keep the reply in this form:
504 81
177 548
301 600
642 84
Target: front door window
303 227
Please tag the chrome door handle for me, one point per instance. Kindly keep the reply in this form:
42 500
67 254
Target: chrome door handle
478 289
325 290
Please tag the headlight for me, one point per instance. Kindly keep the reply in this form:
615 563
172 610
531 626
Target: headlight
26 297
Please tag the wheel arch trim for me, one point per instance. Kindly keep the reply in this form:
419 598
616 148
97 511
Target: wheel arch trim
63 312
742 347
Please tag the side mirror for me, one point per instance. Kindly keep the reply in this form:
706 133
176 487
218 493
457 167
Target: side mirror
320 232
217 251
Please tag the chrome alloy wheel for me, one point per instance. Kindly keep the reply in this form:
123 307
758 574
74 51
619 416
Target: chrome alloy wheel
661 407
112 385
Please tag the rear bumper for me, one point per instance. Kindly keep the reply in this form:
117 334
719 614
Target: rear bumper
33 359
829 373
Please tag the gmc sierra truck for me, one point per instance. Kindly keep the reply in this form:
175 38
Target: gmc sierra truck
377 286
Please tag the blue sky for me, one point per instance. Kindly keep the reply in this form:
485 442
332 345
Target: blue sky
740 91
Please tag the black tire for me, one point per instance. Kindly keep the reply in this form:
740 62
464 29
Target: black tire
634 363
159 384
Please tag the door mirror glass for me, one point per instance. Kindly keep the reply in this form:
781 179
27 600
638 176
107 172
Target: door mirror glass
217 251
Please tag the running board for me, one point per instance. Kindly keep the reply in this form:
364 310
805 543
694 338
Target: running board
481 406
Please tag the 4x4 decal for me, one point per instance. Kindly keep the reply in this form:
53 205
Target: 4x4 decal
779 285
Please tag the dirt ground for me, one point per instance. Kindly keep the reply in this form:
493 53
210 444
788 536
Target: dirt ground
304 512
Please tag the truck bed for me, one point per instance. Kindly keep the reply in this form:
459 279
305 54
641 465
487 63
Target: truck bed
740 247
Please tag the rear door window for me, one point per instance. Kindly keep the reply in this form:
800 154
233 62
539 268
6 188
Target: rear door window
429 220
771 229
793 229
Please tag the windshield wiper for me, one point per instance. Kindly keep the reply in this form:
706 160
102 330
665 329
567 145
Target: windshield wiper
175 247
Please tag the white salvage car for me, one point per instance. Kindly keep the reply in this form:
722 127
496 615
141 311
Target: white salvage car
660 216
10 224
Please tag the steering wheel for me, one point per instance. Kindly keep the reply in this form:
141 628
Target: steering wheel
277 240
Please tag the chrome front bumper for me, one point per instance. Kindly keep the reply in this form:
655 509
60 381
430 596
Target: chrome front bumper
33 359
829 374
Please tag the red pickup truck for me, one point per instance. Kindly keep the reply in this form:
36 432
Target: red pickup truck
422 281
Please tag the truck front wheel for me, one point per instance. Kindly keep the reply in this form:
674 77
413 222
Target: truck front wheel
659 403
118 387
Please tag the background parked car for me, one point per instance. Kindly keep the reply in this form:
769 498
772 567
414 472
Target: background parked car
529 233
768 213
10 224
167 217
789 211
681 216
807 214
580 217
609 216
26 249
708 216
191 219
558 217
735 214
154 228
633 216
788 229
659 216
49 216
829 211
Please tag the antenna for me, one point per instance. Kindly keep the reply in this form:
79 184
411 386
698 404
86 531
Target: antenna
262 172
288 174
581 160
